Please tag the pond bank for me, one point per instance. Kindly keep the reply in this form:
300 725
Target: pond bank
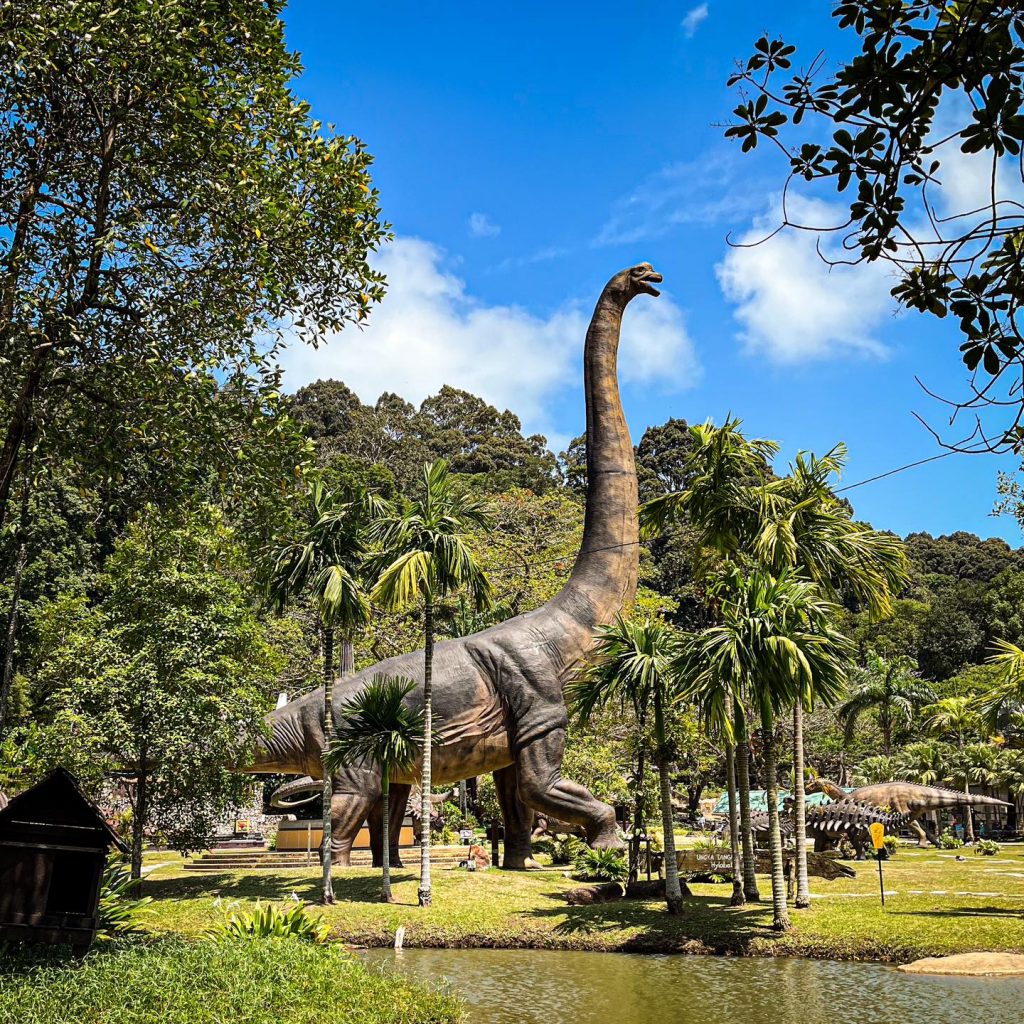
935 906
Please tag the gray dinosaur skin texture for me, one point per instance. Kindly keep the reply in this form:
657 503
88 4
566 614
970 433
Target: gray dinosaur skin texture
498 693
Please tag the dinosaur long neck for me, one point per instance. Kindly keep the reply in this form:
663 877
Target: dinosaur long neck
604 576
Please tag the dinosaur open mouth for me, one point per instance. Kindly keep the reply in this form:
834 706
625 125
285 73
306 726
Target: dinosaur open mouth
647 280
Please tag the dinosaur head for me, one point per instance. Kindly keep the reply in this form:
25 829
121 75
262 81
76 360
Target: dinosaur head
638 280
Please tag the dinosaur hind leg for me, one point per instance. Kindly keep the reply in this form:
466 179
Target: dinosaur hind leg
348 812
923 839
542 787
518 819
398 799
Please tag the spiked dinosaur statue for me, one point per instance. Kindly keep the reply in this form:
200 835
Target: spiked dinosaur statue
827 823
906 798
498 694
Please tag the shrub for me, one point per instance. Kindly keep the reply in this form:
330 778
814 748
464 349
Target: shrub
565 849
269 922
601 866
119 911
949 841
174 981
986 847
890 845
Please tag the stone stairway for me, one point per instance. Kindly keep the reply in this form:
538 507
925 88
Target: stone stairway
272 860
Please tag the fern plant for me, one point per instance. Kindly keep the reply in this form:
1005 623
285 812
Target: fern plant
267 921
601 866
119 911
986 847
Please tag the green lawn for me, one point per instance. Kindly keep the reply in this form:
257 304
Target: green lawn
936 905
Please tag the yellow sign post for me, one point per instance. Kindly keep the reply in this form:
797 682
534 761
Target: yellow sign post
877 830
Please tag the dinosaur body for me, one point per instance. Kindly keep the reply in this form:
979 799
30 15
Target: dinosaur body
497 695
845 818
907 798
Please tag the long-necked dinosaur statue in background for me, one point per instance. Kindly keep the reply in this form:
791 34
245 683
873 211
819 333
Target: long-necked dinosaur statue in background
906 798
498 693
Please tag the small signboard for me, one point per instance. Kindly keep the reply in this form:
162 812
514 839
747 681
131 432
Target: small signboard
877 830
242 827
466 835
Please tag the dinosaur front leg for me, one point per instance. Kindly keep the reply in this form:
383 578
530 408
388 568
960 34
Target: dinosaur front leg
541 786
518 820
923 839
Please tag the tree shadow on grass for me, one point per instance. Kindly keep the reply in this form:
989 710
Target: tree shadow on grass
964 912
707 921
269 887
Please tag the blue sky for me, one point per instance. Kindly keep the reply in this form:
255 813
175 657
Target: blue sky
526 152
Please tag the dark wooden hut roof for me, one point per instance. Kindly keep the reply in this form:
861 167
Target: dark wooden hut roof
58 801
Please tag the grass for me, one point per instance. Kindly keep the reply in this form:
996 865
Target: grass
935 906
174 981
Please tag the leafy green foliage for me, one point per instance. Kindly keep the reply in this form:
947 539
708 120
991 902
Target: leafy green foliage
986 847
932 84
120 911
378 728
601 866
949 841
268 921
165 672
179 982
173 207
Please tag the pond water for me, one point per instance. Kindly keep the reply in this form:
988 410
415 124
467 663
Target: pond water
546 987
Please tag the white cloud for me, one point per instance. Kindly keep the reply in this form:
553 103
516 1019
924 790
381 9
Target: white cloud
695 17
429 331
791 304
705 191
480 226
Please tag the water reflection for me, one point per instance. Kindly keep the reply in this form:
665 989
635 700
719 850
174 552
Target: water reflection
542 987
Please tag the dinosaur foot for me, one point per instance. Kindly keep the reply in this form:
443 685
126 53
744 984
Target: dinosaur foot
606 839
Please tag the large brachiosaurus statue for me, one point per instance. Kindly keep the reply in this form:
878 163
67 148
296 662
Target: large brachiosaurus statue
498 693
906 798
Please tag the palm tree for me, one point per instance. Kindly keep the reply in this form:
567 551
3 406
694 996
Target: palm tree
425 555
957 716
634 665
722 504
379 728
805 528
323 565
890 686
775 636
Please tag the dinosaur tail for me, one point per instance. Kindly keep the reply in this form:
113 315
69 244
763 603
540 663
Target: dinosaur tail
957 798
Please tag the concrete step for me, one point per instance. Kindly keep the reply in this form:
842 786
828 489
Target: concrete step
271 861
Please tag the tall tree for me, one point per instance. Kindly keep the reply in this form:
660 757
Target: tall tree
776 637
805 528
164 675
424 556
323 564
379 729
634 666
168 208
932 91
892 688
957 715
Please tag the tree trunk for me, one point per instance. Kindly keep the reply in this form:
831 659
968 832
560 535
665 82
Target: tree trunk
19 426
673 890
348 660
968 817
737 899
638 805
327 888
750 890
803 890
7 676
780 913
140 811
385 831
886 725
423 893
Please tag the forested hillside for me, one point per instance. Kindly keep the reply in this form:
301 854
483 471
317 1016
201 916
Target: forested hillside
82 578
